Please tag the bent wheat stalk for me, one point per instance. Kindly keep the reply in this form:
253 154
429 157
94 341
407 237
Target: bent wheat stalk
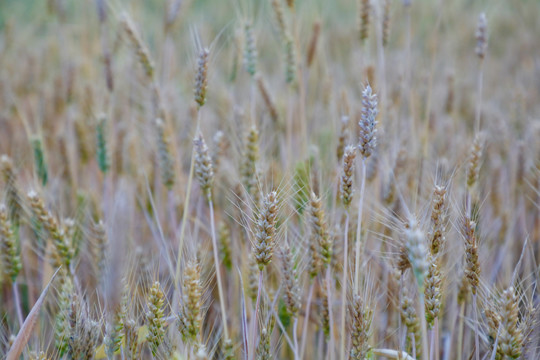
26 330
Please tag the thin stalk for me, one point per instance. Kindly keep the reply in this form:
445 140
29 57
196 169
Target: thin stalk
17 303
447 343
301 84
283 331
255 317
433 346
359 226
330 315
431 333
435 339
302 110
295 338
306 320
476 330
460 332
408 104
289 126
425 349
344 286
320 342
218 270
425 135
184 217
494 352
382 64
186 207
480 86
402 332
172 212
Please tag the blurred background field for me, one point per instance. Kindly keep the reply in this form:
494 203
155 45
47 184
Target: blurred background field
100 103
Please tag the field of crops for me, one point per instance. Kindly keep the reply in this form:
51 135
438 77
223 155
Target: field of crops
270 179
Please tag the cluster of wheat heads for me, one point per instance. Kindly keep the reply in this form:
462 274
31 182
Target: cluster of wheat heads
269 179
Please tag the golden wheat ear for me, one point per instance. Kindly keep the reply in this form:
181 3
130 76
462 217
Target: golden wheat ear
475 155
368 123
248 167
472 263
204 170
346 190
411 321
155 318
361 317
264 244
432 291
190 317
363 19
292 296
138 46
165 157
201 79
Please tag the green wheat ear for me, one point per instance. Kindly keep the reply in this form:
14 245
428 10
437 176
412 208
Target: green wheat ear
102 153
39 160
10 261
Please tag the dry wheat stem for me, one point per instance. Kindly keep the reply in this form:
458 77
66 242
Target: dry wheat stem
494 352
433 339
384 7
479 86
427 113
408 70
476 327
301 85
254 324
460 331
186 206
218 270
425 348
295 338
359 244
306 319
17 300
289 126
344 281
330 312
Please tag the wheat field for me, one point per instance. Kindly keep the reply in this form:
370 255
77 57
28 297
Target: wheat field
270 179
